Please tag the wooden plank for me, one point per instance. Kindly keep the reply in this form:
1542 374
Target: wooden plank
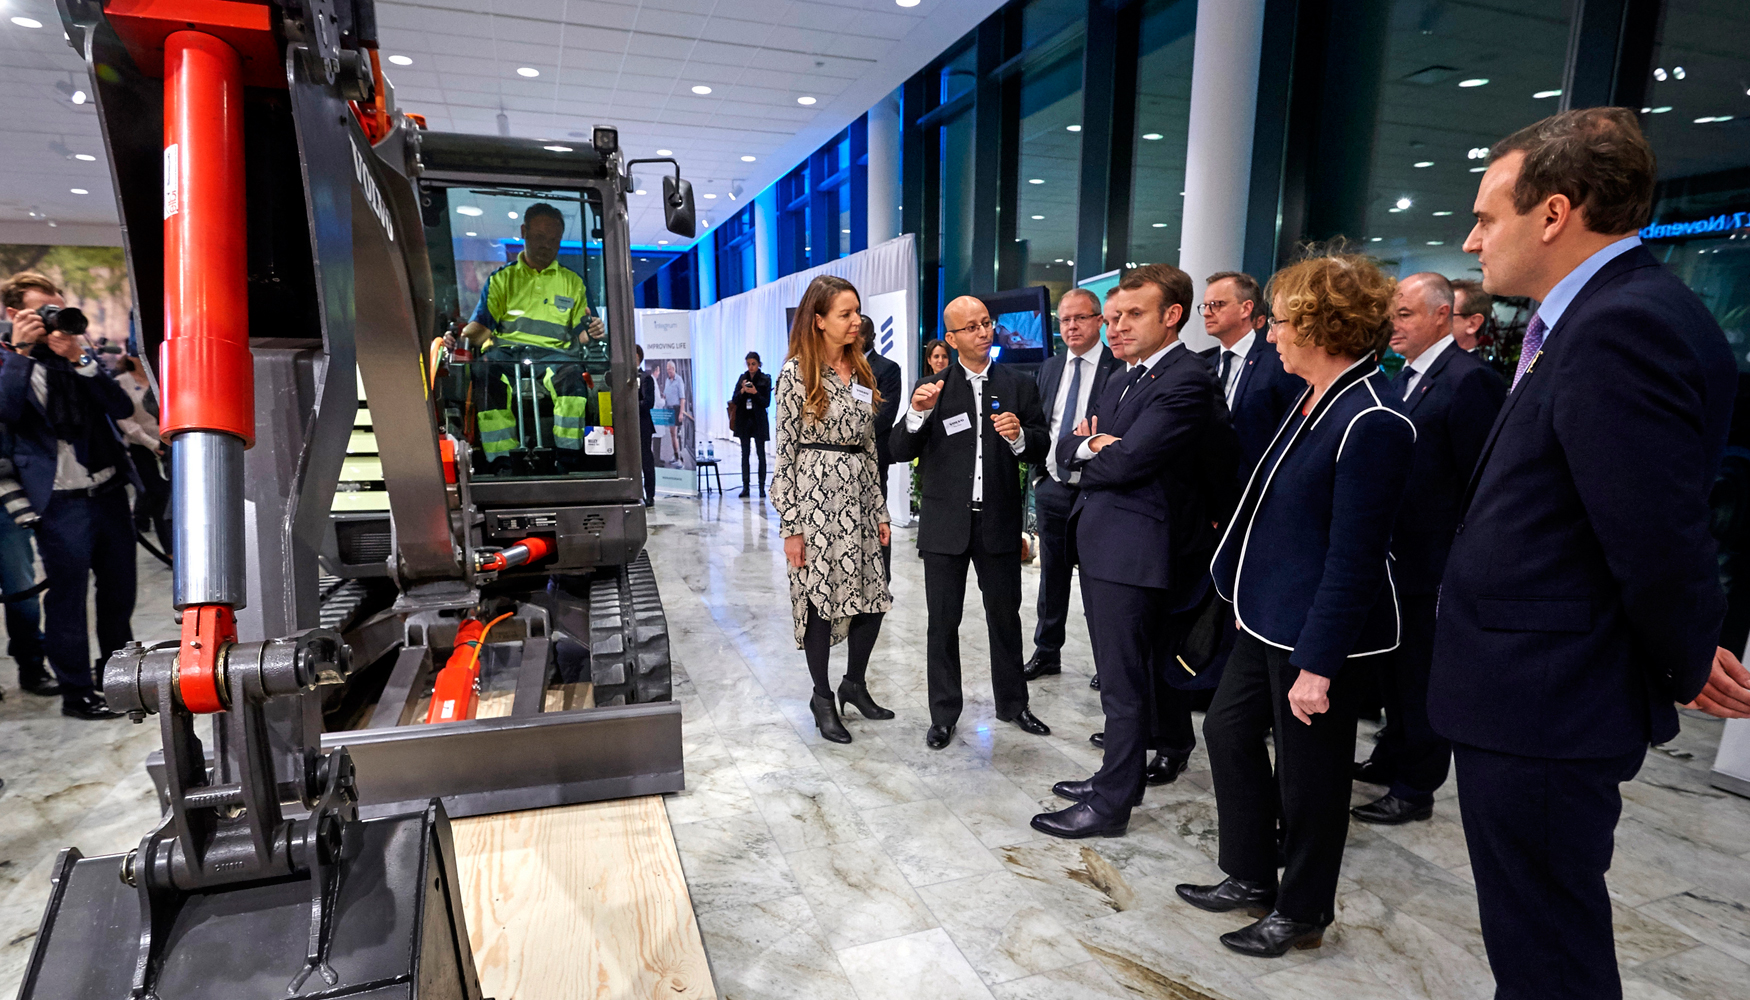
584 901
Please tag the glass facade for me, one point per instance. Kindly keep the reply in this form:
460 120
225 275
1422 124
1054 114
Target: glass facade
1050 126
1163 109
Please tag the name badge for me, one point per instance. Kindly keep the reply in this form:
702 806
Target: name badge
862 393
749 405
563 302
957 423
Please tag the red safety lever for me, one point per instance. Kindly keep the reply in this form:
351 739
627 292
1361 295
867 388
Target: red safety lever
529 550
456 695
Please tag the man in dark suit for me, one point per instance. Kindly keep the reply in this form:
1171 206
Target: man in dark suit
1257 390
1471 309
970 427
1581 595
1452 398
1143 533
646 428
1069 385
889 383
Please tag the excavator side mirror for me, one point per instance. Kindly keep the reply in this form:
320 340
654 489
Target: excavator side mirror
677 206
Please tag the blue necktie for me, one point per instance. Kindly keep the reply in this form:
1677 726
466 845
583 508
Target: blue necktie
1067 422
1400 382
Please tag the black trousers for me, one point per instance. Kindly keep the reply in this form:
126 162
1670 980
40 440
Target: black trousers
1540 834
999 579
82 537
1053 501
153 506
1313 773
756 445
648 454
1134 639
1409 751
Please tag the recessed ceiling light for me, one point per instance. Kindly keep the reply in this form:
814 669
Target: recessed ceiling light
639 191
710 196
1404 202
468 210
1152 136
1376 239
1678 72
1436 243
804 100
1713 118
1058 261
665 152
1037 217
87 157
906 3
511 214
1072 128
78 97
401 60
1036 180
1658 74
1442 213
1540 95
701 89
528 71
1662 109
79 191
1477 81
1478 170
748 159
1160 225
27 22
847 232
556 148
472 234
662 242
1423 163
1394 209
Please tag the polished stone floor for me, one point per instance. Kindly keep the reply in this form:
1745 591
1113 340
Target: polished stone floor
882 869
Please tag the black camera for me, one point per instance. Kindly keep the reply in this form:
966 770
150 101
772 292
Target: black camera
63 319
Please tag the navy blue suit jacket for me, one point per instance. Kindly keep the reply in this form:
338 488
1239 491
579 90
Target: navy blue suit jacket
1582 594
1262 398
1306 559
1453 406
1147 496
34 447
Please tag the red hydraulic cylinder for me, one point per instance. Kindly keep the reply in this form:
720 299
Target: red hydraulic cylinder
207 373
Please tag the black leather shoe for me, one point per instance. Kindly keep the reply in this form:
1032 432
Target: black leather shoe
37 680
1078 821
826 719
1042 664
1075 791
938 737
84 703
1027 722
1094 682
1372 773
1164 770
856 695
1230 894
1390 810
743 493
1098 739
1274 935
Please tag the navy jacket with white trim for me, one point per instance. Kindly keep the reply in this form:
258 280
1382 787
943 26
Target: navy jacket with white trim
1306 559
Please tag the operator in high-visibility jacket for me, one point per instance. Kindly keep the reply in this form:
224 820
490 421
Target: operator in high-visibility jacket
534 315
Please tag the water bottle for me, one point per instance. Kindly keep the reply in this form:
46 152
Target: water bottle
711 450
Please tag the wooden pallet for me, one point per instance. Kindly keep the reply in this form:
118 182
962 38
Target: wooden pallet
583 902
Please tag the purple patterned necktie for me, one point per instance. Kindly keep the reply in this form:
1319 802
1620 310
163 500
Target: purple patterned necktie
1528 351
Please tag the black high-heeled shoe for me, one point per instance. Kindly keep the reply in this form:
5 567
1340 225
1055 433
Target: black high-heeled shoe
826 719
857 693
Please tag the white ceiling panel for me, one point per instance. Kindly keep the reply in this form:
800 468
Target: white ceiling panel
630 63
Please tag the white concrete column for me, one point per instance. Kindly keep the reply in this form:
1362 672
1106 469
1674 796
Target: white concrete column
884 170
765 236
707 257
1218 147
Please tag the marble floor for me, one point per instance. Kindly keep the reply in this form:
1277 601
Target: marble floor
882 870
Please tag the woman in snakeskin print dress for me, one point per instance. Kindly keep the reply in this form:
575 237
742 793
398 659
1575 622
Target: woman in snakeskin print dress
827 493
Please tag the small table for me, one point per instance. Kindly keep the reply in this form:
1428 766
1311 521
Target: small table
703 470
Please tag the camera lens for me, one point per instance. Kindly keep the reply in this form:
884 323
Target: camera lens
65 319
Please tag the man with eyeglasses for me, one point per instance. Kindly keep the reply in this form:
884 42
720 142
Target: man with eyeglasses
1069 388
1258 391
970 427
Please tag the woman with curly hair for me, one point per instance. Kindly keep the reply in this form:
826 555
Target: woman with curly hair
827 491
1306 564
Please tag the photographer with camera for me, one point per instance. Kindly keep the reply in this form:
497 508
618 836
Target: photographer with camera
60 408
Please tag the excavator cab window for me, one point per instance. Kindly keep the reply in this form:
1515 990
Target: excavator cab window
525 372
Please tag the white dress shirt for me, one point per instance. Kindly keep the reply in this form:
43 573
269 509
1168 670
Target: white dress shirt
1425 361
1086 453
1089 361
914 418
69 473
1240 349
